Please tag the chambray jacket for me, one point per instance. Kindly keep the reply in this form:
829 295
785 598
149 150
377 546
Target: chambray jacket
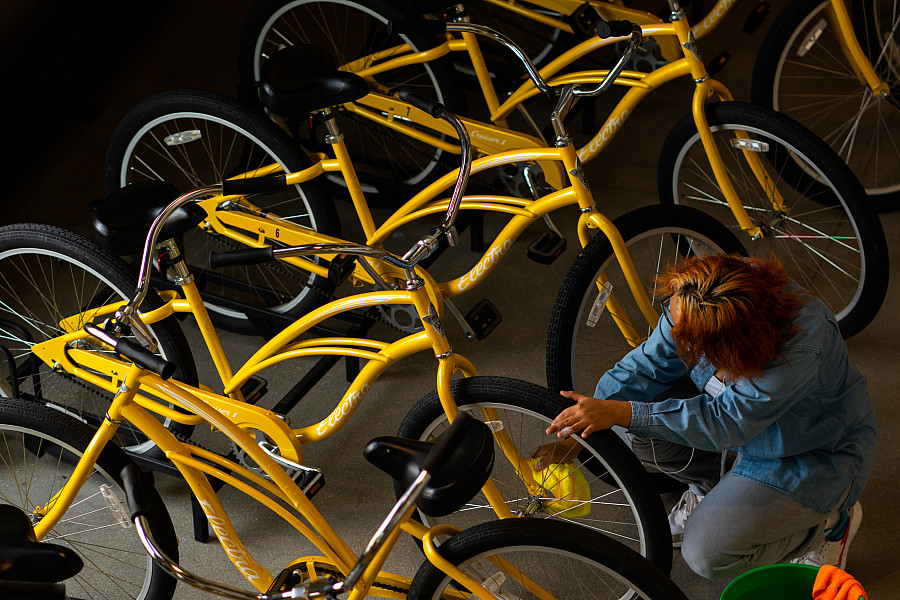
805 427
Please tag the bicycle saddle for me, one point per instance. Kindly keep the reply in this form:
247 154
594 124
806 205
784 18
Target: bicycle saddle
460 470
302 78
122 219
23 558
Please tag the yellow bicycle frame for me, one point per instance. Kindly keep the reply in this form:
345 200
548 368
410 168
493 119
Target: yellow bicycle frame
278 493
836 15
151 395
386 111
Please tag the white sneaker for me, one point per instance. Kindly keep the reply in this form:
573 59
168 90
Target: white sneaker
681 511
832 548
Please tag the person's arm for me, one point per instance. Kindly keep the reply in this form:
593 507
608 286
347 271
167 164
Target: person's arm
645 372
588 415
739 414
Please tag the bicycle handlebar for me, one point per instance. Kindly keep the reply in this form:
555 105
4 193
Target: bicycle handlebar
134 352
422 249
604 30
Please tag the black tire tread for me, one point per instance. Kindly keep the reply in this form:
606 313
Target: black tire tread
488 536
870 233
580 276
54 423
471 390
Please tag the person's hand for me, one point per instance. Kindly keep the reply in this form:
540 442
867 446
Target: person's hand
588 415
556 453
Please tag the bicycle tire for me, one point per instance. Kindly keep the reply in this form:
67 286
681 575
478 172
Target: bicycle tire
40 448
578 353
632 511
830 240
565 560
48 274
802 72
229 140
389 165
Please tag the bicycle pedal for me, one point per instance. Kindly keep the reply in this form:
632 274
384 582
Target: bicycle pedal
546 247
716 64
310 481
584 20
483 318
756 18
254 389
340 268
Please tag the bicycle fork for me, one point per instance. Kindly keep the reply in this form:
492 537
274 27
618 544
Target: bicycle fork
52 512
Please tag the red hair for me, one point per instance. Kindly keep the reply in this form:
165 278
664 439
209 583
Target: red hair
734 311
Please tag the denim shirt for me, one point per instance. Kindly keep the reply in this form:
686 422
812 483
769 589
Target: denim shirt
805 427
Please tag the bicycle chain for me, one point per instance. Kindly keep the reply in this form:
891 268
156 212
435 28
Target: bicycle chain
338 576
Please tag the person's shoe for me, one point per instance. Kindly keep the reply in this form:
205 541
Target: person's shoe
681 511
832 548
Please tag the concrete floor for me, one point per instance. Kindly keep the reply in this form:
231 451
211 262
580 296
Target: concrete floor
71 88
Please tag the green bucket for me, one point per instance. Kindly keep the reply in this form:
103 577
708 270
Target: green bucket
774 582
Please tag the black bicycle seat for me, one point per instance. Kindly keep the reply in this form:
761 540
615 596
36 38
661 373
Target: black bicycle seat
122 219
302 78
24 559
459 471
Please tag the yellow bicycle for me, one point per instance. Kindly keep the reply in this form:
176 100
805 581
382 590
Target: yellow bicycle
53 283
72 482
781 189
829 64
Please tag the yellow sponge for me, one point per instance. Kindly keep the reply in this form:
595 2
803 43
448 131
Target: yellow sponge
567 484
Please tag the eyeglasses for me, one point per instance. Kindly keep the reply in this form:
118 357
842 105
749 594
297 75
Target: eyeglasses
667 311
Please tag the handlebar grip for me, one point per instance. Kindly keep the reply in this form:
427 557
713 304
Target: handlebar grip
423 104
608 29
135 487
254 185
238 258
423 26
145 359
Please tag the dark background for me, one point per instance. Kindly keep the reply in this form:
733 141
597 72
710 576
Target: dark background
70 71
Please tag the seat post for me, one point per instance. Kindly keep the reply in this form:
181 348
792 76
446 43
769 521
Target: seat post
335 139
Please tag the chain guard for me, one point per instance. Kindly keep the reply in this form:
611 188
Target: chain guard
402 317
515 184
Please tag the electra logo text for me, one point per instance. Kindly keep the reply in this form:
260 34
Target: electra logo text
485 266
491 140
227 413
603 136
232 548
347 405
710 21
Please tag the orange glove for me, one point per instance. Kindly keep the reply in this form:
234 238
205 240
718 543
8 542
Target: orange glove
835 584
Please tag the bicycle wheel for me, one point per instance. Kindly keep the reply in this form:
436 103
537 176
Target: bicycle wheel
39 450
562 559
619 499
802 71
192 139
582 344
828 237
48 274
388 164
